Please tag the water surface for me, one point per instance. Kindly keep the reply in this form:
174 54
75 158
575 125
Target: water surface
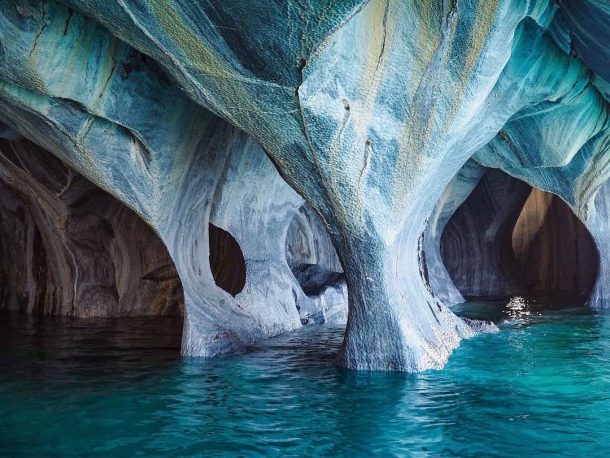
118 388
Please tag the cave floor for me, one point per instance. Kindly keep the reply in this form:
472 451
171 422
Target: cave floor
537 387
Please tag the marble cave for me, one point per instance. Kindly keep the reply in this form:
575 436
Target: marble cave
256 170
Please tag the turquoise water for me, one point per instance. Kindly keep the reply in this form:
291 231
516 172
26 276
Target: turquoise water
119 388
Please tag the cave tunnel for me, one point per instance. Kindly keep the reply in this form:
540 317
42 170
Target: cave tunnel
508 239
315 265
69 249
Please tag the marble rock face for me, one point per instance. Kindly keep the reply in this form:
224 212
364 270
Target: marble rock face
69 248
315 264
377 117
508 239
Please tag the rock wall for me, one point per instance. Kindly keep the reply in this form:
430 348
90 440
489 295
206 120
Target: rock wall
508 239
555 254
316 266
307 242
68 248
186 112
456 192
476 245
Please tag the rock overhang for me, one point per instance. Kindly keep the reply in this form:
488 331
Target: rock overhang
368 110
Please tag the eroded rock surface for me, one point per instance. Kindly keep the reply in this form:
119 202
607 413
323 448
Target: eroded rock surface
476 246
316 266
507 239
186 112
69 248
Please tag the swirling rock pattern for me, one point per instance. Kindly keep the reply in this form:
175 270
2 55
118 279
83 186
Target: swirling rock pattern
476 245
508 239
368 110
69 248
456 192
314 262
307 242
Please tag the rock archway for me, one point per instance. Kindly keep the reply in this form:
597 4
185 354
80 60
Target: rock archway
368 109
69 248
316 266
509 239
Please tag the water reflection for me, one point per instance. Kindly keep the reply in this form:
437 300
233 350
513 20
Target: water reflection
118 387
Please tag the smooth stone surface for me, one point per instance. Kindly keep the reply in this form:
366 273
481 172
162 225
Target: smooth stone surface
476 245
456 192
368 110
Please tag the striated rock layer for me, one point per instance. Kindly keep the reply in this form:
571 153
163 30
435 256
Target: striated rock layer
69 248
236 113
315 264
476 245
508 239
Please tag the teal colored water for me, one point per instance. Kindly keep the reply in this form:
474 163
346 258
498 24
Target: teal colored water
119 388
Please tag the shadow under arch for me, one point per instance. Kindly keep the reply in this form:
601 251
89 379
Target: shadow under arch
69 248
508 239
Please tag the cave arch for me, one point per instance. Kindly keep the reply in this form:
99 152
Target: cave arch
69 248
315 264
510 239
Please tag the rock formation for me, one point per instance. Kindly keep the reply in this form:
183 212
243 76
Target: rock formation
476 246
508 239
316 266
237 113
69 248
454 195
555 254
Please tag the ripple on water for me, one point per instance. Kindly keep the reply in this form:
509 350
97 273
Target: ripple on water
116 387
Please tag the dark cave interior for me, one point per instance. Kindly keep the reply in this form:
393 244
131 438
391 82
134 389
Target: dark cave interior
509 239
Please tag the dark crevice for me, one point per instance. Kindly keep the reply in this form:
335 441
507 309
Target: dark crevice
226 261
43 26
70 15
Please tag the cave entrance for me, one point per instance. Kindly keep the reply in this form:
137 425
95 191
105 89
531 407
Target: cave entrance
70 250
508 239
315 265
